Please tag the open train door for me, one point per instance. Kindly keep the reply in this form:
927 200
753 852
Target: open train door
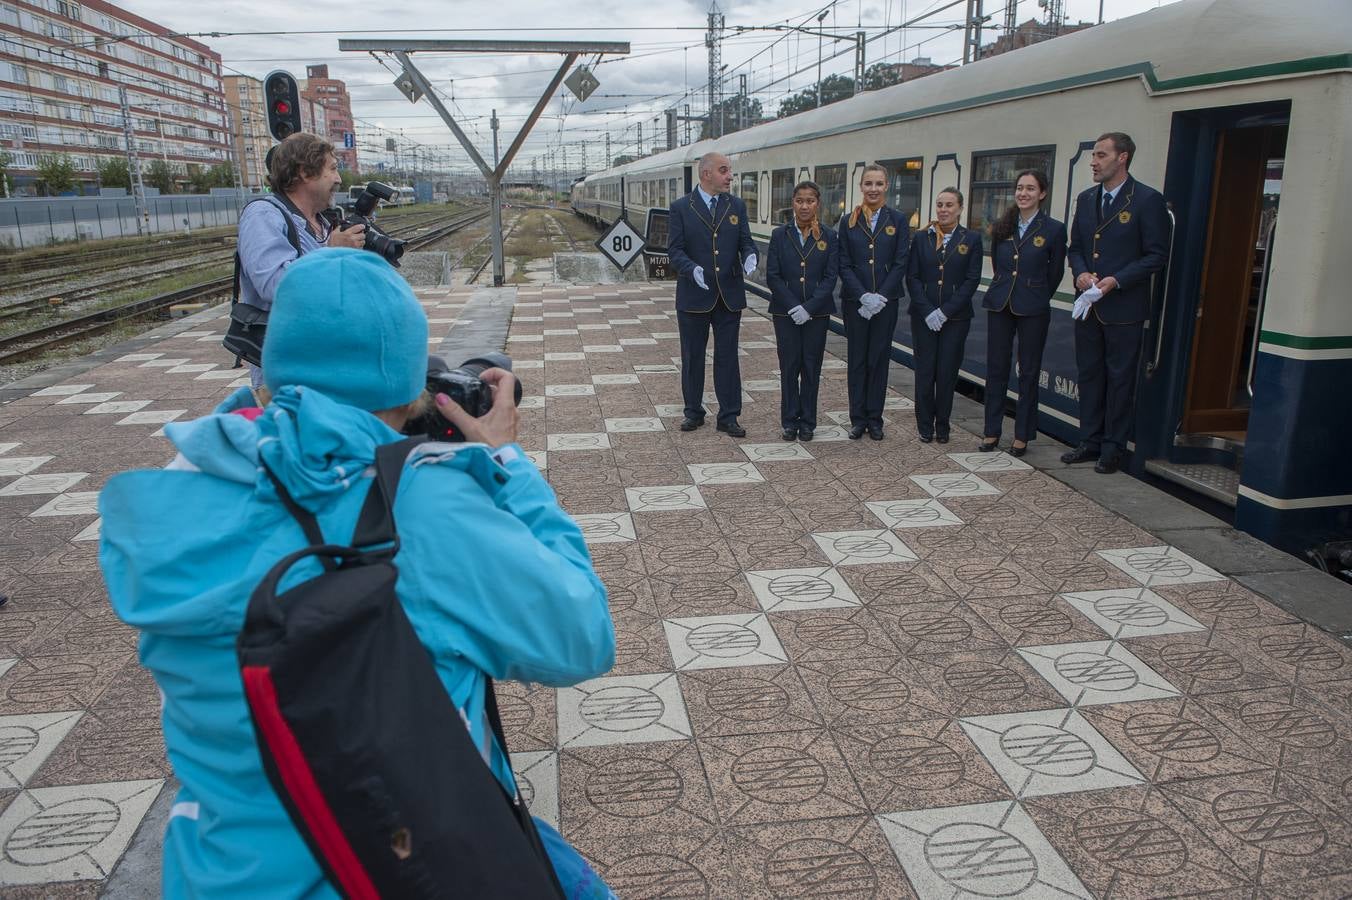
1225 166
690 178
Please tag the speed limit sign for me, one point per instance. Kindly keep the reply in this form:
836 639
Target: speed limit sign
621 244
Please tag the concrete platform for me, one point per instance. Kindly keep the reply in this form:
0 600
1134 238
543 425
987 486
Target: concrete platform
846 668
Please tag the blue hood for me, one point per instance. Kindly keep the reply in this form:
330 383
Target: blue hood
165 572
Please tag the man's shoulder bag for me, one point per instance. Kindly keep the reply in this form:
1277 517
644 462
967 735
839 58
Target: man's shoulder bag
359 738
249 323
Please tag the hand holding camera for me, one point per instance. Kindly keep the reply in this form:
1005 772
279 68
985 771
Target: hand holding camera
354 237
496 427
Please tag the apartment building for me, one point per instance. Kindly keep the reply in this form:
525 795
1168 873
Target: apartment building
331 94
248 128
62 63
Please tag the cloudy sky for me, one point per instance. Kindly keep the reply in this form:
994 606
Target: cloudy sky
667 64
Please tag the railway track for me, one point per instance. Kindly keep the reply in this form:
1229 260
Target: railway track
34 342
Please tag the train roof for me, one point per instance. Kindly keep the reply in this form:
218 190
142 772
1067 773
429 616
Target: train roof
1189 44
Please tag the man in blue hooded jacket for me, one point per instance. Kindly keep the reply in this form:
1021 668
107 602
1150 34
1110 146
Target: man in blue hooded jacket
493 575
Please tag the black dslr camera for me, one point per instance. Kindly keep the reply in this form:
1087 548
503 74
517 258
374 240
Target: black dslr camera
462 385
377 241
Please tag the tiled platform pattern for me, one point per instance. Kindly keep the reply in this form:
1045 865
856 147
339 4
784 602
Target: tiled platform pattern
81 753
891 669
852 669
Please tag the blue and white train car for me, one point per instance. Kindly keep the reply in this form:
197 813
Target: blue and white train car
1242 113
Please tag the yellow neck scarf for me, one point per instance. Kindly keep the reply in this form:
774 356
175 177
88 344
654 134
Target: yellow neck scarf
863 209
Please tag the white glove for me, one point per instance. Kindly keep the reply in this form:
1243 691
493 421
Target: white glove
749 264
799 315
866 311
698 275
1081 309
1092 296
879 301
936 320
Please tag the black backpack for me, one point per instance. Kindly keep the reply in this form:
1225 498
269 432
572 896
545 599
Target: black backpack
360 739
249 323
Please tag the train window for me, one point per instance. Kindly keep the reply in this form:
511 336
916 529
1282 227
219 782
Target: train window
993 182
672 189
903 187
748 192
831 179
781 196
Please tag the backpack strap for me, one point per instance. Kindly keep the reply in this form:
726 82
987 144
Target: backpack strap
375 525
306 519
292 235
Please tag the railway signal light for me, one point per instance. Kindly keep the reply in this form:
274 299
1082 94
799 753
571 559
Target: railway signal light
282 97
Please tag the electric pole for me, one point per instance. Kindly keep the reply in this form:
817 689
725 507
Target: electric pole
138 190
713 40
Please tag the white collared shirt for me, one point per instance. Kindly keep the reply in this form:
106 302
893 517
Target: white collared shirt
946 236
1113 193
1023 226
706 198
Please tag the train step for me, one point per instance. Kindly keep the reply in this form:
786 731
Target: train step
1217 482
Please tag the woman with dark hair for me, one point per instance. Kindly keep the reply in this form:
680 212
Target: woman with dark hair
1028 252
942 276
802 269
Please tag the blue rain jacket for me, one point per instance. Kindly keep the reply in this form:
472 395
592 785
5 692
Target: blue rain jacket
494 576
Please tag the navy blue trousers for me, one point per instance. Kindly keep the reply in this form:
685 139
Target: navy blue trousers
694 328
938 356
801 348
1001 329
1107 357
868 344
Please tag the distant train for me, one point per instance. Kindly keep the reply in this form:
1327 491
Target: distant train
1249 404
403 196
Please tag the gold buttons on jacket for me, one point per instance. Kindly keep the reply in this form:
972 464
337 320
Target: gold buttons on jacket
803 264
800 278
715 251
941 282
1016 256
870 246
1095 254
870 262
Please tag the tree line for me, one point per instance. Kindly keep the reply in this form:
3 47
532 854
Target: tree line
56 174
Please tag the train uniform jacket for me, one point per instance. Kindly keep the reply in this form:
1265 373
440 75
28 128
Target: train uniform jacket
718 244
494 576
1028 269
944 279
873 261
1131 245
802 274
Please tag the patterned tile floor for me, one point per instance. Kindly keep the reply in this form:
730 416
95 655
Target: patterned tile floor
844 668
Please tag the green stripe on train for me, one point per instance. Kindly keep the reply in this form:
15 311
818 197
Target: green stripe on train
1301 342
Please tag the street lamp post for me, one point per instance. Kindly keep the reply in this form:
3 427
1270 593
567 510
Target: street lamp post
820 17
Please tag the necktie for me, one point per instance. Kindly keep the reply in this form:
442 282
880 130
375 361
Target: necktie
1107 204
713 201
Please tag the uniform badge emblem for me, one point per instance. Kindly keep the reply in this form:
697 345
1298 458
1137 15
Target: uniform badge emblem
733 218
891 230
1039 241
821 245
963 248
1124 217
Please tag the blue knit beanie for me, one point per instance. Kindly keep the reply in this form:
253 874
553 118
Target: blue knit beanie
346 324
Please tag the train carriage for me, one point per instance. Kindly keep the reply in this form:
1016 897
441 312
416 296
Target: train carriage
1241 114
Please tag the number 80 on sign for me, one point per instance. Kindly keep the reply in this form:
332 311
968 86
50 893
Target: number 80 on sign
620 244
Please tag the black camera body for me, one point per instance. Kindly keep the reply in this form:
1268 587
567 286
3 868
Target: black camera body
377 241
462 385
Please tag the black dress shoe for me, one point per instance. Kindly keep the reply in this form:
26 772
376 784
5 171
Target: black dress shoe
875 432
1018 451
942 437
989 446
1107 464
856 432
926 438
1082 453
789 434
731 427
804 434
689 424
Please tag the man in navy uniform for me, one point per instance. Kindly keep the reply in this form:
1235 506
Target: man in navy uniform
709 241
1119 240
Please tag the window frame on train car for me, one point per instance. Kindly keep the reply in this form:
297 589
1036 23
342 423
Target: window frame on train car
781 215
751 200
829 215
906 165
674 188
976 187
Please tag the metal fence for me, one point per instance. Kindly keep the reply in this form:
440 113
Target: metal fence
36 222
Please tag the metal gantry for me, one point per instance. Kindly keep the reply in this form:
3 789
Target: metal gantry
415 86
